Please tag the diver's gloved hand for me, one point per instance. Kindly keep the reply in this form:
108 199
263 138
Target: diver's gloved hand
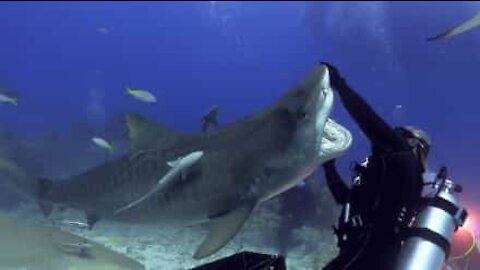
336 80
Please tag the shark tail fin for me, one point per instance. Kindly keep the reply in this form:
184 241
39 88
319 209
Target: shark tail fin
29 186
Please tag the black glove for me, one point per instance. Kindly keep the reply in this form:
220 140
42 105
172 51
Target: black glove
336 80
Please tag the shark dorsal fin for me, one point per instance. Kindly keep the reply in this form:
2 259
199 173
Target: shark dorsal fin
144 133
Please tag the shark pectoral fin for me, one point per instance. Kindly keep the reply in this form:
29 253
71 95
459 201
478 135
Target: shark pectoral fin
223 229
144 133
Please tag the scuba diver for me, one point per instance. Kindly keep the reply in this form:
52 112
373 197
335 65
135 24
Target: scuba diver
386 189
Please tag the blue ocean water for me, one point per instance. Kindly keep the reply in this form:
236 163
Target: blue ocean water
69 63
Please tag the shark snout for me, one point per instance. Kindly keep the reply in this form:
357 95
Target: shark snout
325 79
324 103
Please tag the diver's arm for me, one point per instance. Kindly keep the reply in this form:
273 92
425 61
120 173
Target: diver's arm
335 183
372 125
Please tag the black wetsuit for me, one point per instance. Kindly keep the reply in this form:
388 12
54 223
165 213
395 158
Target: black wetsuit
392 180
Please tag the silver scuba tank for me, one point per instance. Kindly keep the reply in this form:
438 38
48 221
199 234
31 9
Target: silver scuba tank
427 242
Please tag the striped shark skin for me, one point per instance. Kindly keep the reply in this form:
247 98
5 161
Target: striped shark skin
218 176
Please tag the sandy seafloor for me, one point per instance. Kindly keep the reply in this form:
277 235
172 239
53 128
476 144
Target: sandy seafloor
172 248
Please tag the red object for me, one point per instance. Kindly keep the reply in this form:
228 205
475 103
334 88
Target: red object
462 241
464 252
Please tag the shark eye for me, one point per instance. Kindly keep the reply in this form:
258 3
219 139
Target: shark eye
301 115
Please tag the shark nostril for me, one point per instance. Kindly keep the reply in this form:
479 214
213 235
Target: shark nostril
301 115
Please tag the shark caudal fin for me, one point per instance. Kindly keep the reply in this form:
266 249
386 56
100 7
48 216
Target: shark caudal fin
22 182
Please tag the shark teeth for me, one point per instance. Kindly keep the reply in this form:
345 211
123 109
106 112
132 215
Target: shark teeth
336 139
325 103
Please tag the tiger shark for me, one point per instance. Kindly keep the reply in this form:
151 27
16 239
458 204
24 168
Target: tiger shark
217 176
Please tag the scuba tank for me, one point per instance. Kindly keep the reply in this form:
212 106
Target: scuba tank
426 245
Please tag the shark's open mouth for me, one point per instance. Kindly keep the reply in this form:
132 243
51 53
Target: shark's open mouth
332 139
324 104
335 141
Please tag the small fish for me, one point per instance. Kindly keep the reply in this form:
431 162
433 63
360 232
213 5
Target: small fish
102 30
141 95
464 27
8 99
78 224
103 143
